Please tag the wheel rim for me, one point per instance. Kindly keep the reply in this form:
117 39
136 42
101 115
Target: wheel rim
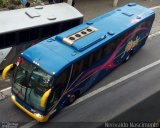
72 98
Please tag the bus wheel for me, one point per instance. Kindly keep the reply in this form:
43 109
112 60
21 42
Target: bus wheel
72 98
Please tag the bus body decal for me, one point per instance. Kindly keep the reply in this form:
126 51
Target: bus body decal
109 64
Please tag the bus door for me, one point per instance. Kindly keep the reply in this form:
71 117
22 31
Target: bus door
60 85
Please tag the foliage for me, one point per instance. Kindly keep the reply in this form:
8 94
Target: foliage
7 3
15 3
1 3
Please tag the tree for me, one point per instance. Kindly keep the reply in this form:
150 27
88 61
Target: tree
1 3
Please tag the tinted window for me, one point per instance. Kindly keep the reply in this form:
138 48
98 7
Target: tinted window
23 36
97 55
63 78
61 82
54 29
86 63
45 31
34 33
107 50
10 39
93 58
69 24
78 68
2 41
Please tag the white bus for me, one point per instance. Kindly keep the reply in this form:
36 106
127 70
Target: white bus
21 28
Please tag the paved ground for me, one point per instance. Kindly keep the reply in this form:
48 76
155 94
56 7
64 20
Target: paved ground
95 8
156 25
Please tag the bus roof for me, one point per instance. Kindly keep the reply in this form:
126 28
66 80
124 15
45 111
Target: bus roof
57 52
13 20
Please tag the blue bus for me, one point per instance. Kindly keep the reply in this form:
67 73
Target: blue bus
53 73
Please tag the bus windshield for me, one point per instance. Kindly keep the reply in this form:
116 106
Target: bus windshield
31 83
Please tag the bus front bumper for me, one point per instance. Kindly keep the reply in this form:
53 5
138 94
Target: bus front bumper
36 116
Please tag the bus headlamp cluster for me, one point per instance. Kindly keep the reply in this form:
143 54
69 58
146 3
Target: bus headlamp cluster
36 63
38 115
13 97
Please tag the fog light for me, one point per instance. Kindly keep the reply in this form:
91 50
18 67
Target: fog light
13 97
38 115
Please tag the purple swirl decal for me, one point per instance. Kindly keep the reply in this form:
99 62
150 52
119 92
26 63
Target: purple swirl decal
108 64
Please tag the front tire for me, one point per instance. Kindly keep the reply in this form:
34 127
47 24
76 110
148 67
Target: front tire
72 98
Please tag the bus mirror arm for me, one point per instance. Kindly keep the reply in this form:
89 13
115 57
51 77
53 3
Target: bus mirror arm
6 70
44 98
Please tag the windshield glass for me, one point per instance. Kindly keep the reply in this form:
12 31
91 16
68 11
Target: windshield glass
23 73
31 76
40 81
30 83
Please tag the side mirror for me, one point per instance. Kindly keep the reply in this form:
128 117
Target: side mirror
6 70
44 98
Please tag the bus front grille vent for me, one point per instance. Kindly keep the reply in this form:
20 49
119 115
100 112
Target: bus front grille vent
81 34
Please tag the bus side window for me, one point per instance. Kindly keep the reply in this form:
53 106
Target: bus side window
80 66
46 31
109 48
62 79
61 82
66 25
86 62
106 50
76 22
34 33
23 36
10 38
54 29
91 60
97 55
149 21
145 24
2 43
77 68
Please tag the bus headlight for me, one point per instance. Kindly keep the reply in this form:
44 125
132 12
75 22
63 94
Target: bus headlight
13 97
38 115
